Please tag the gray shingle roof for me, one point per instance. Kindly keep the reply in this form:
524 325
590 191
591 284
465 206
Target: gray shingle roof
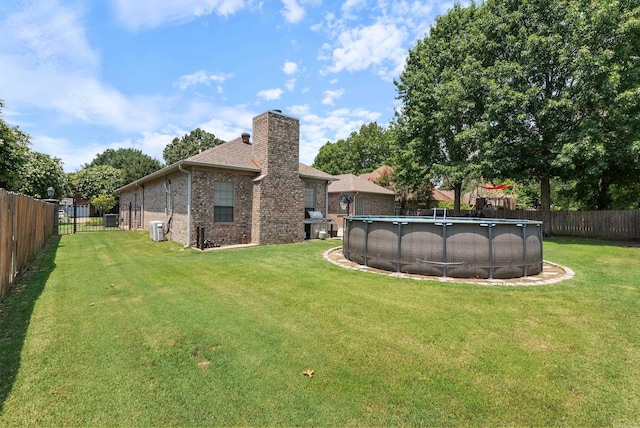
233 155
351 183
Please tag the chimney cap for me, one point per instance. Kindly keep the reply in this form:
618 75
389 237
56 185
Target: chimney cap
245 137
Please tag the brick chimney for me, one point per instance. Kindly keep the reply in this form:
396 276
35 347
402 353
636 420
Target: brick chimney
278 193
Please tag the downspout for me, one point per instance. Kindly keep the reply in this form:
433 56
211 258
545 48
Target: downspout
188 244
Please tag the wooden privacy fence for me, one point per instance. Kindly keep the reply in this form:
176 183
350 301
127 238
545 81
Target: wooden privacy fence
25 225
614 225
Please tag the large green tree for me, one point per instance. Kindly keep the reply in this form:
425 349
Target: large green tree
40 172
95 181
132 162
549 87
442 104
188 145
606 160
555 75
24 170
363 151
14 146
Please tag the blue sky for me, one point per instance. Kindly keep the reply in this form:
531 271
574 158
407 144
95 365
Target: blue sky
82 76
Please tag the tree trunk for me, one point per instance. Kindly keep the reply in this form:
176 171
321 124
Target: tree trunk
545 202
602 200
457 189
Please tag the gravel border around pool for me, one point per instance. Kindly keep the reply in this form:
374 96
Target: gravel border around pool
552 273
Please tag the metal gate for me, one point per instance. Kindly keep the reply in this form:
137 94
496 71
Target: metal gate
78 218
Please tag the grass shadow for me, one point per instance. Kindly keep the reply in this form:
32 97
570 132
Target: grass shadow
15 314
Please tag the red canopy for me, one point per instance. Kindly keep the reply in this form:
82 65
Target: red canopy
499 187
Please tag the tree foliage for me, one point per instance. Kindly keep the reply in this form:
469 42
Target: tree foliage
24 170
14 146
40 172
363 151
96 180
190 144
132 162
443 103
539 89
554 78
104 203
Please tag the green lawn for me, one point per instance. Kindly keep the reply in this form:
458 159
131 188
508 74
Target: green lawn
113 329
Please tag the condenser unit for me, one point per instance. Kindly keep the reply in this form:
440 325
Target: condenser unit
156 230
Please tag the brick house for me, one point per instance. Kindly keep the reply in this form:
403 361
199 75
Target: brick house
241 191
368 198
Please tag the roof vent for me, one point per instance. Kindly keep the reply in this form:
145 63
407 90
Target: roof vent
245 137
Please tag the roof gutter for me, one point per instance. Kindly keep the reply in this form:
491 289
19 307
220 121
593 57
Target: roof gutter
188 244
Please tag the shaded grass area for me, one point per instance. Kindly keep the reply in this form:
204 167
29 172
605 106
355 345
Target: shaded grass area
16 311
132 332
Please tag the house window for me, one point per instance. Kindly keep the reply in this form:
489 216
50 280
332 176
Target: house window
359 206
309 199
223 202
344 210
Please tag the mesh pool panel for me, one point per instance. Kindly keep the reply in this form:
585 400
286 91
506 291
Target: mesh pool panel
421 249
357 237
456 247
468 251
534 250
382 247
508 252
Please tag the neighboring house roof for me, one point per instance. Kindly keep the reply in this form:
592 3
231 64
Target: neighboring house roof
377 173
351 183
234 155
442 195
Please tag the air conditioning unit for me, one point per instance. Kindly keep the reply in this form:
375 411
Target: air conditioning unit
156 230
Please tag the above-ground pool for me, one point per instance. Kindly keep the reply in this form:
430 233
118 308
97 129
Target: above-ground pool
458 247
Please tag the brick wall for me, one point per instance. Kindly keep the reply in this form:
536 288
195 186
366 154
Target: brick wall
224 233
164 199
320 191
278 195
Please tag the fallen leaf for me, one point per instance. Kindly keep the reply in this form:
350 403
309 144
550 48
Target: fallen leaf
195 352
203 363
308 372
92 304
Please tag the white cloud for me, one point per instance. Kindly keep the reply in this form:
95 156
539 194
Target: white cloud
200 77
379 45
350 5
331 96
152 13
290 68
270 94
380 39
290 84
94 102
292 11
45 56
52 35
